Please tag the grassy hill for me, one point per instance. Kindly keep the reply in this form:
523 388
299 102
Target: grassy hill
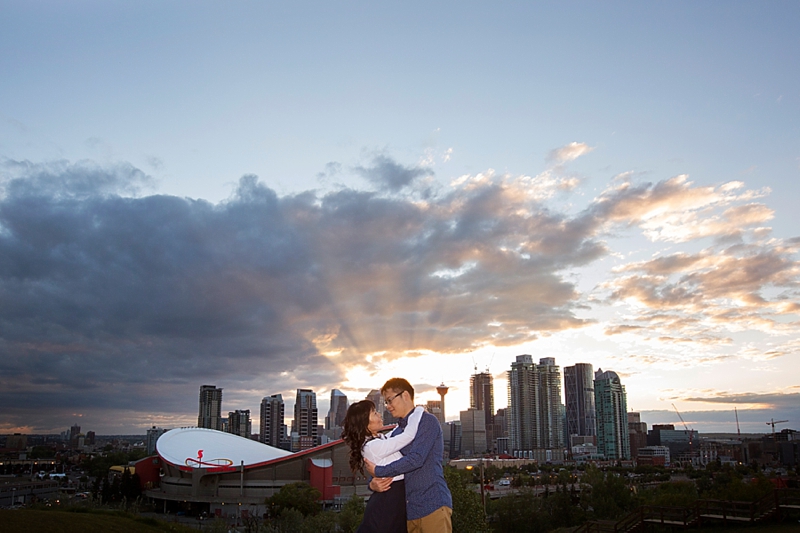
33 521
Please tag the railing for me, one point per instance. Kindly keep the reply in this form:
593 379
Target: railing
675 516
707 510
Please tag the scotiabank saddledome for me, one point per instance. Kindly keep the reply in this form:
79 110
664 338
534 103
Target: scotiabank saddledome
203 470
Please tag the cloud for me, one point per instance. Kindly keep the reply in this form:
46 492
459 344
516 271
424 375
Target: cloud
112 299
389 175
144 298
569 152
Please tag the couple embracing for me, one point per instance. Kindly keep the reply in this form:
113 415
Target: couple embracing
409 490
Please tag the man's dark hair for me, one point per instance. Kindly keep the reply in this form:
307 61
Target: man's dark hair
398 385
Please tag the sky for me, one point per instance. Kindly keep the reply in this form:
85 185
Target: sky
266 196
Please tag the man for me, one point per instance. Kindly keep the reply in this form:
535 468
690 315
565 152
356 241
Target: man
429 505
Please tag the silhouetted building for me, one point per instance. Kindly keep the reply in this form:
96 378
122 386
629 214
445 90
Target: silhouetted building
337 411
481 398
473 432
210 415
239 423
455 439
152 437
305 419
637 434
579 395
272 429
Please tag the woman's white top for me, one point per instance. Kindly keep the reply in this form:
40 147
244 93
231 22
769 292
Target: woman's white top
383 450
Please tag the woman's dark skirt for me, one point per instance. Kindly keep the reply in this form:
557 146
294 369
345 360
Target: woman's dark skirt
386 511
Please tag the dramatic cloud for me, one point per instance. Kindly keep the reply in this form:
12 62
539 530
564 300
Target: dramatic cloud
112 300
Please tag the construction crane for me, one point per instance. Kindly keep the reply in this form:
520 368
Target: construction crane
772 423
685 427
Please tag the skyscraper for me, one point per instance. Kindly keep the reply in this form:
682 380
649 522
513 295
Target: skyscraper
210 415
271 431
551 419
305 418
375 397
523 398
535 418
481 397
434 407
239 423
579 393
337 411
473 432
612 418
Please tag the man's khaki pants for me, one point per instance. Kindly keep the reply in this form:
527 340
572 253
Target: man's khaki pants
436 522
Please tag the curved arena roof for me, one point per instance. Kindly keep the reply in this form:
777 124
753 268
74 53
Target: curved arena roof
214 450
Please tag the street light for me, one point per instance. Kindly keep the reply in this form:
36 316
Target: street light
483 495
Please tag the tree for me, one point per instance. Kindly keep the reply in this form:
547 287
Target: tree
352 514
300 496
468 514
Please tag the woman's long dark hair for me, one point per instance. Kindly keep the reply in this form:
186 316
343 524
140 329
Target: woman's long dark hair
355 431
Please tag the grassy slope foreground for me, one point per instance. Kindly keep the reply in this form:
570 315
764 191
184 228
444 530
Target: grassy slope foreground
33 521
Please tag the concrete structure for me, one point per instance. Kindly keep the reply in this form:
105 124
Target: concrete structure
272 430
304 424
579 396
210 415
612 417
239 423
337 411
442 390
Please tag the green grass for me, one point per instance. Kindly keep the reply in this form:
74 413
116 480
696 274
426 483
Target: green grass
33 521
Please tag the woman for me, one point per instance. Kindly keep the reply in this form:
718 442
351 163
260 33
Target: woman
386 511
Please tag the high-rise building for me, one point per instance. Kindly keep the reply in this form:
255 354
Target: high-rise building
551 415
152 437
239 423
523 398
454 428
210 416
272 430
637 433
481 398
434 407
305 418
579 394
473 432
74 433
535 418
337 411
612 416
375 397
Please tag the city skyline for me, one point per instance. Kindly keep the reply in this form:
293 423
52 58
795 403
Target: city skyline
276 197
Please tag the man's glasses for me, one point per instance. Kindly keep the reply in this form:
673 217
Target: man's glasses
388 401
